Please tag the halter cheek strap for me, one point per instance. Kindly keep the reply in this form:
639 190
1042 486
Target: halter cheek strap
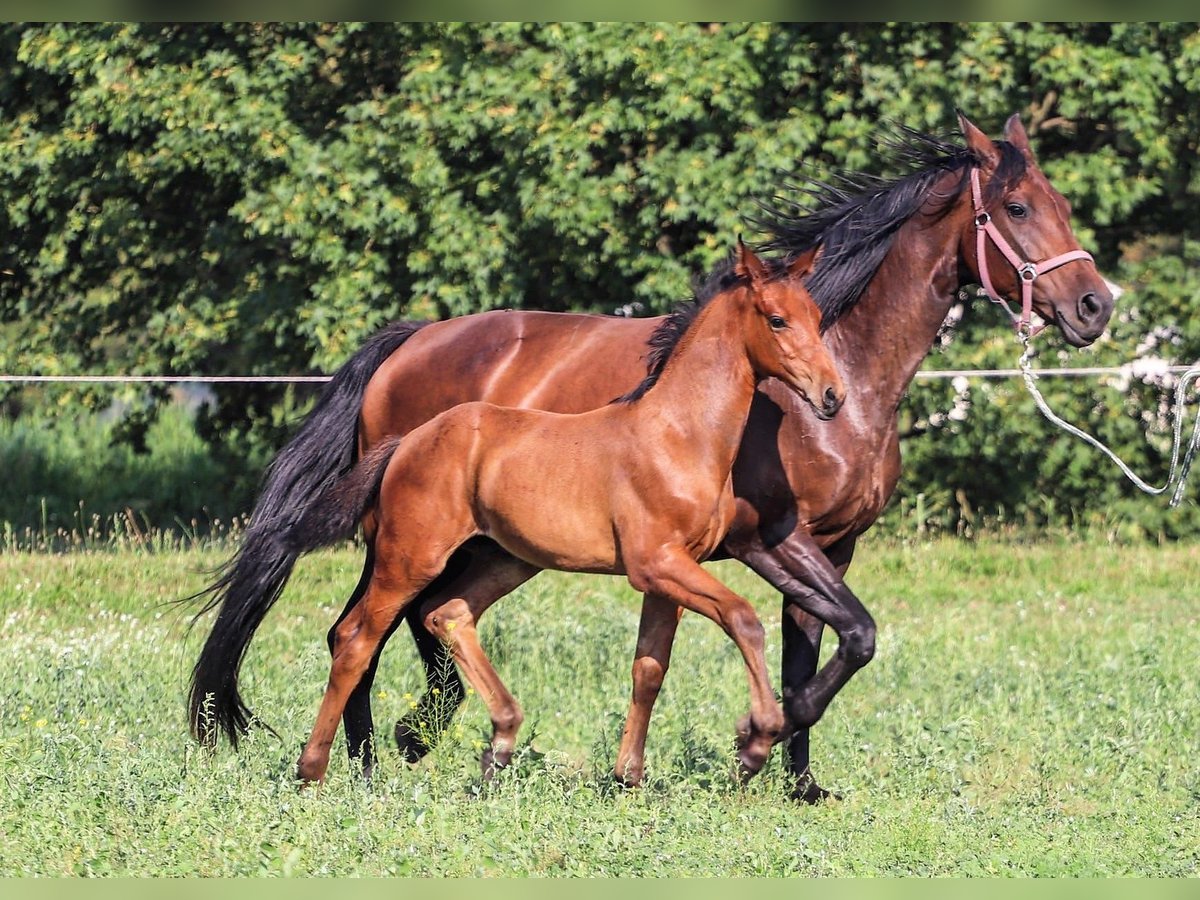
1027 271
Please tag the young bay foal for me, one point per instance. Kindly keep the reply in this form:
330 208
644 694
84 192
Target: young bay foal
640 487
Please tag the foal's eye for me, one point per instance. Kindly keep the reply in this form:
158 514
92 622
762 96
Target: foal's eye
777 322
1016 210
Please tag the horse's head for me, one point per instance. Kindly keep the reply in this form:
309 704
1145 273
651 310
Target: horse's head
1029 250
784 336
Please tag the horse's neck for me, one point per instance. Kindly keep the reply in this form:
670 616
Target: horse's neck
705 389
882 341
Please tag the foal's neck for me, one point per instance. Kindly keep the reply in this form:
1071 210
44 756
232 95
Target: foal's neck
705 388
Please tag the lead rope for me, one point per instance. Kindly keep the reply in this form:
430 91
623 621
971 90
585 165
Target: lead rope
1178 472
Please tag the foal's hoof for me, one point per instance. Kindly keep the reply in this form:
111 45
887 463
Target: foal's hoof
628 777
412 746
492 761
743 730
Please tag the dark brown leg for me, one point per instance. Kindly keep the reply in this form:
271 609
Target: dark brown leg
815 594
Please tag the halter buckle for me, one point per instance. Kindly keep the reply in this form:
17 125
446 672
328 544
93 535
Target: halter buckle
1028 272
982 219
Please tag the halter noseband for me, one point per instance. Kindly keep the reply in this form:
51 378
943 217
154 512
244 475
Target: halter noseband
1027 271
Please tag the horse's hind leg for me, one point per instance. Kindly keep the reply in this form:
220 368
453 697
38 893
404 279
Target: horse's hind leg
485 574
656 635
453 622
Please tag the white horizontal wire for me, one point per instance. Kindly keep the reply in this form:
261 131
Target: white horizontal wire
168 379
1080 372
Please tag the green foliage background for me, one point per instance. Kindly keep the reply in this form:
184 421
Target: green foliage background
257 199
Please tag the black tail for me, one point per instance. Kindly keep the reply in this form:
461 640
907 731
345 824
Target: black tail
298 479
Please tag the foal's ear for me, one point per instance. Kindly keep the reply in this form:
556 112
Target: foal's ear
1014 133
979 143
748 265
802 264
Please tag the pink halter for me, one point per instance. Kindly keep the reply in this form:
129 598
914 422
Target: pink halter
1026 271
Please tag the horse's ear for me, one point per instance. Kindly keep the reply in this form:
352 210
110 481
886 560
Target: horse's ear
748 265
802 264
1014 133
979 143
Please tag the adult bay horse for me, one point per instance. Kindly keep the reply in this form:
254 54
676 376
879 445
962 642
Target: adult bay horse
639 487
893 255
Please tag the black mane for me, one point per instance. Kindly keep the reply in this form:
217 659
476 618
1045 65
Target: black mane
854 216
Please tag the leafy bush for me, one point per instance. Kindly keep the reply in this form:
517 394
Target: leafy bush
66 476
253 198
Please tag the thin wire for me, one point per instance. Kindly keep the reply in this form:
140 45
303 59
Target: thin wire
1080 372
1178 472
167 379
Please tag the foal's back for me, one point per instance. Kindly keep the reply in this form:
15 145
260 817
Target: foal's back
543 485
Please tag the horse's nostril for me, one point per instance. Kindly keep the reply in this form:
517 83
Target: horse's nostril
832 401
1089 306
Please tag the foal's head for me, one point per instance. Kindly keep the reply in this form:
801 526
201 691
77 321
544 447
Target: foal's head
784 334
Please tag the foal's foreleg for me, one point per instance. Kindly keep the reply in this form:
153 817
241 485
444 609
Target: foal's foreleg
656 635
673 574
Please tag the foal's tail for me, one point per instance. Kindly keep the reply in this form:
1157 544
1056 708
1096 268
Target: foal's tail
285 524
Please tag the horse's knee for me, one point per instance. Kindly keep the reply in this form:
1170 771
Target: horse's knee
744 625
344 632
857 645
507 720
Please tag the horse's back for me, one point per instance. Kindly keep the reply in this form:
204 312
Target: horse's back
564 362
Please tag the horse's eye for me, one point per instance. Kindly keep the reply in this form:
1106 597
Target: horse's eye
777 322
1016 210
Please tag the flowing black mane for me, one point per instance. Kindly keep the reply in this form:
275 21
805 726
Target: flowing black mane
854 216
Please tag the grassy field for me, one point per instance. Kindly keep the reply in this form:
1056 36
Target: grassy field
1032 709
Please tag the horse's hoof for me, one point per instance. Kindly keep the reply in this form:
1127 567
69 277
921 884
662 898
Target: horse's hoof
808 791
629 780
412 748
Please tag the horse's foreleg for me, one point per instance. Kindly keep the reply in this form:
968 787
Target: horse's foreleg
801 650
814 593
656 635
674 575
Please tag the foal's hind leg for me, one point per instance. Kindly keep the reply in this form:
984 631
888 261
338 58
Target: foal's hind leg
357 718
489 573
356 642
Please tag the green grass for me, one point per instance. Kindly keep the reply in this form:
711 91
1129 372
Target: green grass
1032 709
